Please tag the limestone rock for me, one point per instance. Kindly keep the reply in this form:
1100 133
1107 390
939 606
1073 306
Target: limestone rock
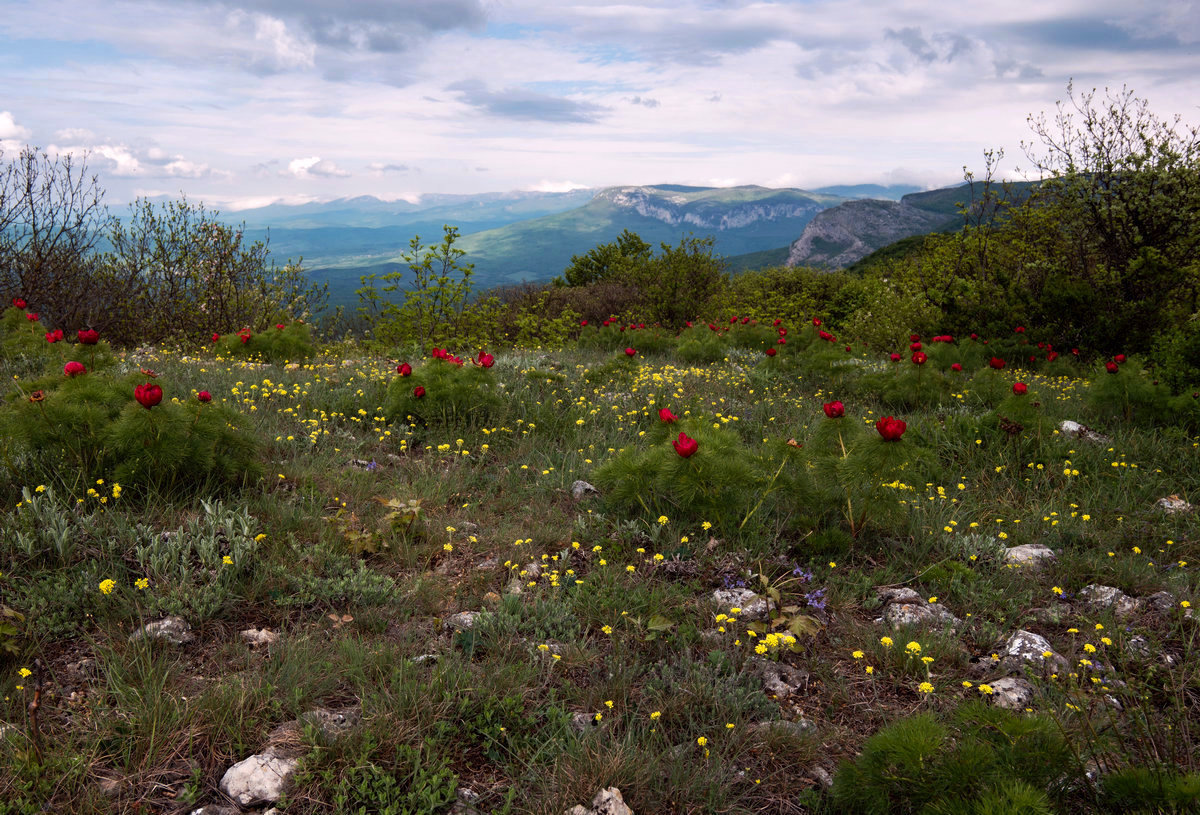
1076 430
922 615
1161 601
174 630
1027 647
260 779
1011 693
1173 505
779 678
259 637
898 594
751 606
1109 597
1032 555
463 621
582 489
606 802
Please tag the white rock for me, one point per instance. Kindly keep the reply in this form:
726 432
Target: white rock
899 594
1079 431
463 621
751 606
1109 597
1011 693
1033 555
257 637
174 630
606 802
922 614
260 779
1173 505
582 489
1026 646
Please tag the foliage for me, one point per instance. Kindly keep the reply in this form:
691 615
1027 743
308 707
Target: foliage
431 310
608 261
443 391
280 343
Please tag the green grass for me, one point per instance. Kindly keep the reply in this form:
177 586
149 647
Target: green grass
601 660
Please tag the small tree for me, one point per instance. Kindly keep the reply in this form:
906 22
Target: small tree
608 261
433 302
51 218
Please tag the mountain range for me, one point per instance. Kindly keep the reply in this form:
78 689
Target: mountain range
531 236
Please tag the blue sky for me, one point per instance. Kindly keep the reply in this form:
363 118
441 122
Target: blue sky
246 102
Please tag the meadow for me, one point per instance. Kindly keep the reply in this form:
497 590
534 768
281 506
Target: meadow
784 585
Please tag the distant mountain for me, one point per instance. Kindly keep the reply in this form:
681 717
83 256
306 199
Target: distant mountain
740 219
842 235
891 192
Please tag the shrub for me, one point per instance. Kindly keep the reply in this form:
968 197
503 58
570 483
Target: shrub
280 343
443 391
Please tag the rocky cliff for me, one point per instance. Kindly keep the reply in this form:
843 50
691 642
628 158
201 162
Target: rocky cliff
846 233
718 210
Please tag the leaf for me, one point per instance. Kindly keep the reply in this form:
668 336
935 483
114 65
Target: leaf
805 625
658 622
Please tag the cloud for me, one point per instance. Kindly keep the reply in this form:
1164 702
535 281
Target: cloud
315 167
517 103
12 136
268 46
645 102
379 168
75 134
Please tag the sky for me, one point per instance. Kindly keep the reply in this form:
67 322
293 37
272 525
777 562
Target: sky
248 102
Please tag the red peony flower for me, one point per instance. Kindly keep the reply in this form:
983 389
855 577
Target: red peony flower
630 352
216 337
18 303
916 346
783 332
1020 329
245 338
1120 358
74 369
914 337
685 445
895 357
485 360
956 367
148 395
771 352
834 410
974 336
583 323
776 323
279 326
204 396
1051 356
816 321
890 429
419 392
31 317
732 320
665 415
1020 388
996 363
920 358
54 336
1112 367
847 349
404 369
88 336
781 341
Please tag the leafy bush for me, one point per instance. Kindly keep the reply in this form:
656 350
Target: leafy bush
73 429
444 391
280 343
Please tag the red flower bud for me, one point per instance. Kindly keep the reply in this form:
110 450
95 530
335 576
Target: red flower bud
204 396
666 416
891 429
1112 367
148 395
895 357
1020 388
630 352
834 410
74 369
956 367
996 363
685 445
1120 358
404 369
419 392
771 352
974 336
88 336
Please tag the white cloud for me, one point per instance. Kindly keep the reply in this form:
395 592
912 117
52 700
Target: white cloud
12 135
315 166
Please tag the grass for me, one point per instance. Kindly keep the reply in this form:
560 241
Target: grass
601 659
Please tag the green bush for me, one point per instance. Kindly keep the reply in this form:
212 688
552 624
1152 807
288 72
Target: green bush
281 343
444 390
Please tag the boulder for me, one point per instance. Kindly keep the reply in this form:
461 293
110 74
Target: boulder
750 606
1032 555
1025 647
259 779
1011 693
1109 598
606 802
